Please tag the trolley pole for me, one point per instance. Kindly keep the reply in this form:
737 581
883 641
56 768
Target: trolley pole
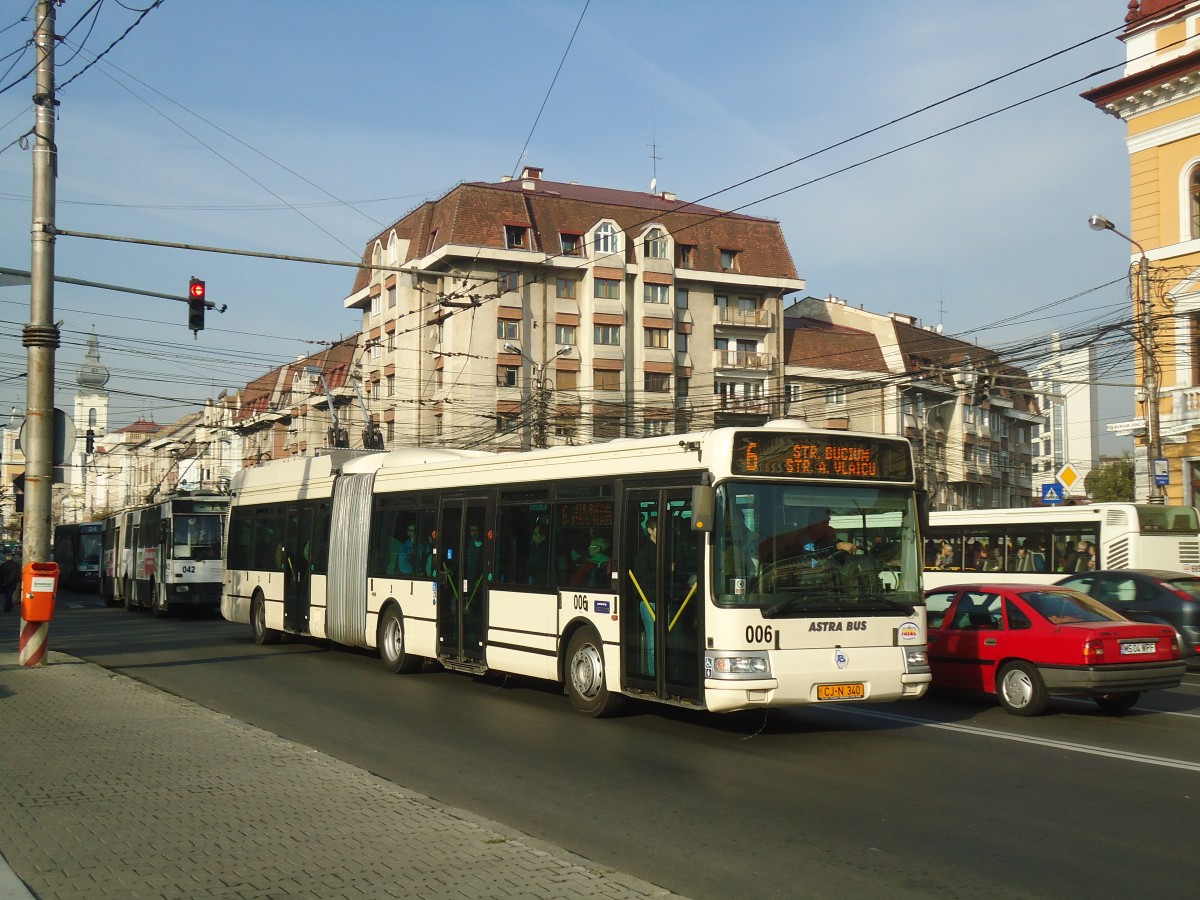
41 335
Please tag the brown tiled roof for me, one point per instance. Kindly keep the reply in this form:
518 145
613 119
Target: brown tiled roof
141 426
264 393
923 348
810 342
474 215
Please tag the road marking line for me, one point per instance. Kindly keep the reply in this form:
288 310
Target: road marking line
1024 739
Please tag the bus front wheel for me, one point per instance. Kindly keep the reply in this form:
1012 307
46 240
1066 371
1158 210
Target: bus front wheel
391 644
585 676
258 624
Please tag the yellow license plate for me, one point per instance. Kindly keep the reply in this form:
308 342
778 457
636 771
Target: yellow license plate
853 691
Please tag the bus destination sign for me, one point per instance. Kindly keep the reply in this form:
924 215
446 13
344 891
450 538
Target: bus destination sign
820 456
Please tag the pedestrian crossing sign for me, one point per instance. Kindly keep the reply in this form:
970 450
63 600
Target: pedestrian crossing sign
1052 493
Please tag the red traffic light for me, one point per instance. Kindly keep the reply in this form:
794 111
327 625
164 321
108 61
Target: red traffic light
196 289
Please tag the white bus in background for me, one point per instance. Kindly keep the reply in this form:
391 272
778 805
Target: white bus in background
1043 544
678 569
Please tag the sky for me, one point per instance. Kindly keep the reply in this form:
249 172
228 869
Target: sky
304 128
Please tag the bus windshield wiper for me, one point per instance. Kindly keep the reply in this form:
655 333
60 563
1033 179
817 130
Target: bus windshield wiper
906 608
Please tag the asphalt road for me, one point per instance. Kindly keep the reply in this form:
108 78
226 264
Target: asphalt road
943 797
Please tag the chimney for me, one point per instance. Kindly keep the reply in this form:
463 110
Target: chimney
504 178
532 172
667 195
903 318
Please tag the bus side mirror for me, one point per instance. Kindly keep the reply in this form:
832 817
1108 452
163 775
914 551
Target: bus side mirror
702 507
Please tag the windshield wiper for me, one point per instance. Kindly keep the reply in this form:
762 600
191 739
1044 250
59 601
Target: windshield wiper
907 608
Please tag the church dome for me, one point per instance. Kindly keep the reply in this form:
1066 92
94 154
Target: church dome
92 374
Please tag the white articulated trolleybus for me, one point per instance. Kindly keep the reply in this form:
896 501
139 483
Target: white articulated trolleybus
724 570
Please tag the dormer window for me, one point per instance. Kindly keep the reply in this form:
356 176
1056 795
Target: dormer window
605 239
516 237
729 260
572 244
655 244
687 256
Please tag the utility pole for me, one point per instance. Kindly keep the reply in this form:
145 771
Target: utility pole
41 334
1149 364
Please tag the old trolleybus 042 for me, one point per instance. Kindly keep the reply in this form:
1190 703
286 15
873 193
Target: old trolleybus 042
725 570
166 556
1045 544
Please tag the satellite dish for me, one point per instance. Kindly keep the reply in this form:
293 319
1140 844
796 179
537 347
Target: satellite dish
653 184
939 328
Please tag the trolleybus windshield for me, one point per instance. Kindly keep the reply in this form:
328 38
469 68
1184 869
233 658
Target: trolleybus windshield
800 549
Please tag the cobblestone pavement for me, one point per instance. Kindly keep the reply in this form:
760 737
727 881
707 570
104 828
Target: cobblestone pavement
110 788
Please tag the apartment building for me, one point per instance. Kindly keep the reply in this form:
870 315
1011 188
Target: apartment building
968 416
1158 99
529 312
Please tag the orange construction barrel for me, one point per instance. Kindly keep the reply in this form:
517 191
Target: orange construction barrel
39 584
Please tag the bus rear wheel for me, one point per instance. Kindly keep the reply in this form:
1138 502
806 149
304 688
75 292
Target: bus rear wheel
585 676
258 623
390 640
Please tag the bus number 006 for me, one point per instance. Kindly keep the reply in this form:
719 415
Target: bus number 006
581 602
759 634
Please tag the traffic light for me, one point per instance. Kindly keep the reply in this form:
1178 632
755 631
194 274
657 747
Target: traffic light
196 304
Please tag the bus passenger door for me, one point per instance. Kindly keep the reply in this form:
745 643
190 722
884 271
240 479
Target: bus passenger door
297 567
662 594
462 585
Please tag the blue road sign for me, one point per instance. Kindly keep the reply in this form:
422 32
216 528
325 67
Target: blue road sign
1052 493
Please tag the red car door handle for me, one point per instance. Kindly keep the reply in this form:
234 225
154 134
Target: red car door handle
989 642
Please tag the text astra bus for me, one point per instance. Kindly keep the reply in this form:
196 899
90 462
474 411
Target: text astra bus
166 556
700 570
1044 544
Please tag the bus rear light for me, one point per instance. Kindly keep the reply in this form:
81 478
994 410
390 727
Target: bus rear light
1093 652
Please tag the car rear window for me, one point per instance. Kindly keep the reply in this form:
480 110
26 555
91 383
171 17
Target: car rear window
1066 607
1187 585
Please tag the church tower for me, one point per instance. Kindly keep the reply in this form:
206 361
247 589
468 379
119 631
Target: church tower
91 414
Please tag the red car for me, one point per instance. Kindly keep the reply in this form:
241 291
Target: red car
1028 642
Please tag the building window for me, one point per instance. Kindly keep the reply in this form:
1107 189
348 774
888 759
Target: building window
681 342
508 376
376 348
566 379
391 342
687 256
605 239
508 329
835 396
682 387
572 244
506 422
609 335
564 334
681 298
390 431
658 337
508 281
606 380
374 391
607 289
564 288
375 304
516 237
1194 201
656 427
655 244
729 260
390 385
432 241
657 293
657 383
606 427
391 304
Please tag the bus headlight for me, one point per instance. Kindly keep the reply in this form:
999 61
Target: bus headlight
916 659
738 665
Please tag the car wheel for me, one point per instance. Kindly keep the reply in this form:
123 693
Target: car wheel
258 623
585 676
391 644
1117 703
1021 690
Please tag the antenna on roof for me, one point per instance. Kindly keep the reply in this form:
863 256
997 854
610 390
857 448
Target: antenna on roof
654 157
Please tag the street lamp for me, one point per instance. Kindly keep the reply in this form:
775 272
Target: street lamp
540 391
1149 376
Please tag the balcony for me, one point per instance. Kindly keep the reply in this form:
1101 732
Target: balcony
743 405
745 318
743 359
